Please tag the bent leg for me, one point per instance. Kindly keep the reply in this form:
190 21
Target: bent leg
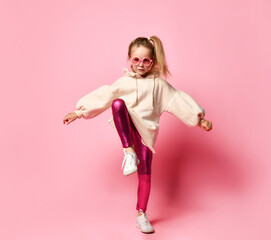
129 136
122 122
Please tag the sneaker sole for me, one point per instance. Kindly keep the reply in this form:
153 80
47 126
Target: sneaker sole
129 173
138 226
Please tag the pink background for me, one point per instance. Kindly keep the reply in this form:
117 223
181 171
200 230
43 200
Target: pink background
64 182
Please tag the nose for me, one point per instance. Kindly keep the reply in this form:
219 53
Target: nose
141 63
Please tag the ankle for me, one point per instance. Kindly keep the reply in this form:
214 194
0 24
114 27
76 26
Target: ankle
129 150
140 212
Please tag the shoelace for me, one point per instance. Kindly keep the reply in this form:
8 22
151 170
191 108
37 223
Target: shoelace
128 158
146 219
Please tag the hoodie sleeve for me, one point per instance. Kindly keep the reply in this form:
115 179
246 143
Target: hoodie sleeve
97 101
94 103
184 107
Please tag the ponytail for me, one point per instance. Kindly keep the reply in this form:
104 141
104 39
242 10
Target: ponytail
160 57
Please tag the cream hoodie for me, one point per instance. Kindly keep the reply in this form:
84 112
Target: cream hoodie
146 99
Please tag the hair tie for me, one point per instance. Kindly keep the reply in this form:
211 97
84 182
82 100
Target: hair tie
150 40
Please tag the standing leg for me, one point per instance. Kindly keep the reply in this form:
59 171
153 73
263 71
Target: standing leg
144 183
144 171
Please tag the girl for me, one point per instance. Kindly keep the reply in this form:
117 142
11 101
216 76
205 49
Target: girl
137 100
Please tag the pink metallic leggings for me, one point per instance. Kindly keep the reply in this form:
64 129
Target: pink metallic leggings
129 136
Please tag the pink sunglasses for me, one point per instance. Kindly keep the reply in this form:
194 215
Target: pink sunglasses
146 61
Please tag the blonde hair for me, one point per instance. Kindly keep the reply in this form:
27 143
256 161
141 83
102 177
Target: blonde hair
155 45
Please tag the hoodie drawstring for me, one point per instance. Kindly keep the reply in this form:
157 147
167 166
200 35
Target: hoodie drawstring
136 91
132 74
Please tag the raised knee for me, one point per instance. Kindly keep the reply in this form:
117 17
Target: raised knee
118 104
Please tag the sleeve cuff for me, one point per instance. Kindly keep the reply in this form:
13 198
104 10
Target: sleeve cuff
79 113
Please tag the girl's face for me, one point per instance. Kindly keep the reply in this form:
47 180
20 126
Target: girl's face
141 52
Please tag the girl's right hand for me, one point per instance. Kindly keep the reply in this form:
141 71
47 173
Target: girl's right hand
70 117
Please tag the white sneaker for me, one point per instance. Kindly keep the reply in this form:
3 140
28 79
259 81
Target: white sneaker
130 163
143 223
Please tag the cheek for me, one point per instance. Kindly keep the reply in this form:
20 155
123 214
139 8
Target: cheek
133 67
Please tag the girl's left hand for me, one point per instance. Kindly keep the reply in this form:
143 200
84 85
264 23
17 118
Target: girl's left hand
206 125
